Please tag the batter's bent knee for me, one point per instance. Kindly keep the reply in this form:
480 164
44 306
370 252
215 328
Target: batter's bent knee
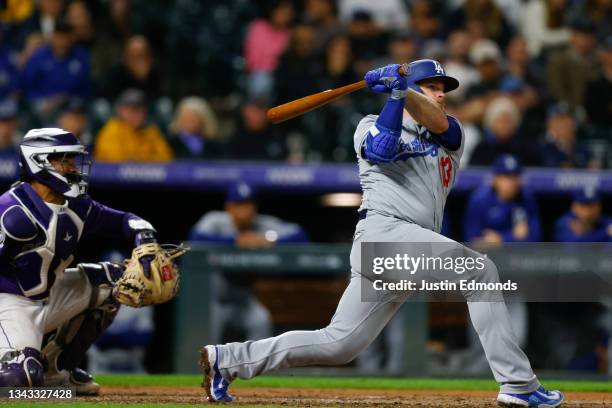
22 368
345 349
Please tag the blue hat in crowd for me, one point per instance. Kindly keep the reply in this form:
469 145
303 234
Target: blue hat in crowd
239 192
507 164
561 108
587 195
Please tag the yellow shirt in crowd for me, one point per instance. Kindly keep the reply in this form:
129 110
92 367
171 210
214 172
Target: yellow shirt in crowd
118 142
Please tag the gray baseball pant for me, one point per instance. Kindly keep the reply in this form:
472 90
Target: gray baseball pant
357 323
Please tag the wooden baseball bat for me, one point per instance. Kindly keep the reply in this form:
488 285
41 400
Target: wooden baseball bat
300 106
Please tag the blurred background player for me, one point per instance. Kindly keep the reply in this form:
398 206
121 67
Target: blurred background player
503 211
585 221
235 305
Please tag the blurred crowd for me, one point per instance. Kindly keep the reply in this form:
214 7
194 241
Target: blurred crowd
139 80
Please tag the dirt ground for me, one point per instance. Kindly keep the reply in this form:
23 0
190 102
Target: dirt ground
313 397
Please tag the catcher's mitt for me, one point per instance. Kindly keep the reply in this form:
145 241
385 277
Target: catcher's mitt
151 276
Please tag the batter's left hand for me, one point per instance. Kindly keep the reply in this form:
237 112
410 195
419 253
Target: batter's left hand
386 79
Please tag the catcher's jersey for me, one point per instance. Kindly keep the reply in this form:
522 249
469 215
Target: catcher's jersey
38 239
414 186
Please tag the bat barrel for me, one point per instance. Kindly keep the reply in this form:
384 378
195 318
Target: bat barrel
300 106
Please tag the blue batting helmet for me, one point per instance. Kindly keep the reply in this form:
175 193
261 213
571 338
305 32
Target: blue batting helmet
420 70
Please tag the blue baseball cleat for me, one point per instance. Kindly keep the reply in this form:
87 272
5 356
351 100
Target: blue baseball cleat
214 383
540 398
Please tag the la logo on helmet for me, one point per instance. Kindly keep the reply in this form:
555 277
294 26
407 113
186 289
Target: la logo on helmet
438 68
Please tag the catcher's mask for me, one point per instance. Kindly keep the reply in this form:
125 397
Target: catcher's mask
55 158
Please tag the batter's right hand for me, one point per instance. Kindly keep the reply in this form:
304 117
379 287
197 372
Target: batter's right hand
386 79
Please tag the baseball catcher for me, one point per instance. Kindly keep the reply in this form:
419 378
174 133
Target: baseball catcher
42 219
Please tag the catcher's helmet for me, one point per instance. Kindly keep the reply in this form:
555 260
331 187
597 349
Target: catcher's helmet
41 145
420 70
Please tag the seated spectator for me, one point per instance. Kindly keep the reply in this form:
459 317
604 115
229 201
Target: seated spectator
503 211
56 72
560 147
598 98
266 40
240 225
368 41
585 221
42 20
73 118
136 71
255 138
386 14
486 14
543 25
9 128
194 130
458 63
569 70
501 124
425 19
128 137
323 15
79 16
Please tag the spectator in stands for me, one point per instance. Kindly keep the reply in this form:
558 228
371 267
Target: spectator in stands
299 67
194 130
598 98
487 58
73 118
9 80
486 15
56 72
255 138
44 19
386 14
543 25
585 221
569 70
32 43
13 14
521 68
425 19
128 137
136 71
560 147
266 40
458 63
331 130
598 11
9 128
367 40
79 16
501 126
240 225
110 40
323 15
503 211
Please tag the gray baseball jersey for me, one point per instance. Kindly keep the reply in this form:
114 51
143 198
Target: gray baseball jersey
414 186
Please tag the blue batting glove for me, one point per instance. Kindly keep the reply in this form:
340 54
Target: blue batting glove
387 80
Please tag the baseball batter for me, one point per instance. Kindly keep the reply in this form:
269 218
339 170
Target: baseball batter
408 159
42 219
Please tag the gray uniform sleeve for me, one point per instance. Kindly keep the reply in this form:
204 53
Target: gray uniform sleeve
361 132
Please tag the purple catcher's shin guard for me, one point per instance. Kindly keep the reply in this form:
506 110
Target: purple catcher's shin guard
21 368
